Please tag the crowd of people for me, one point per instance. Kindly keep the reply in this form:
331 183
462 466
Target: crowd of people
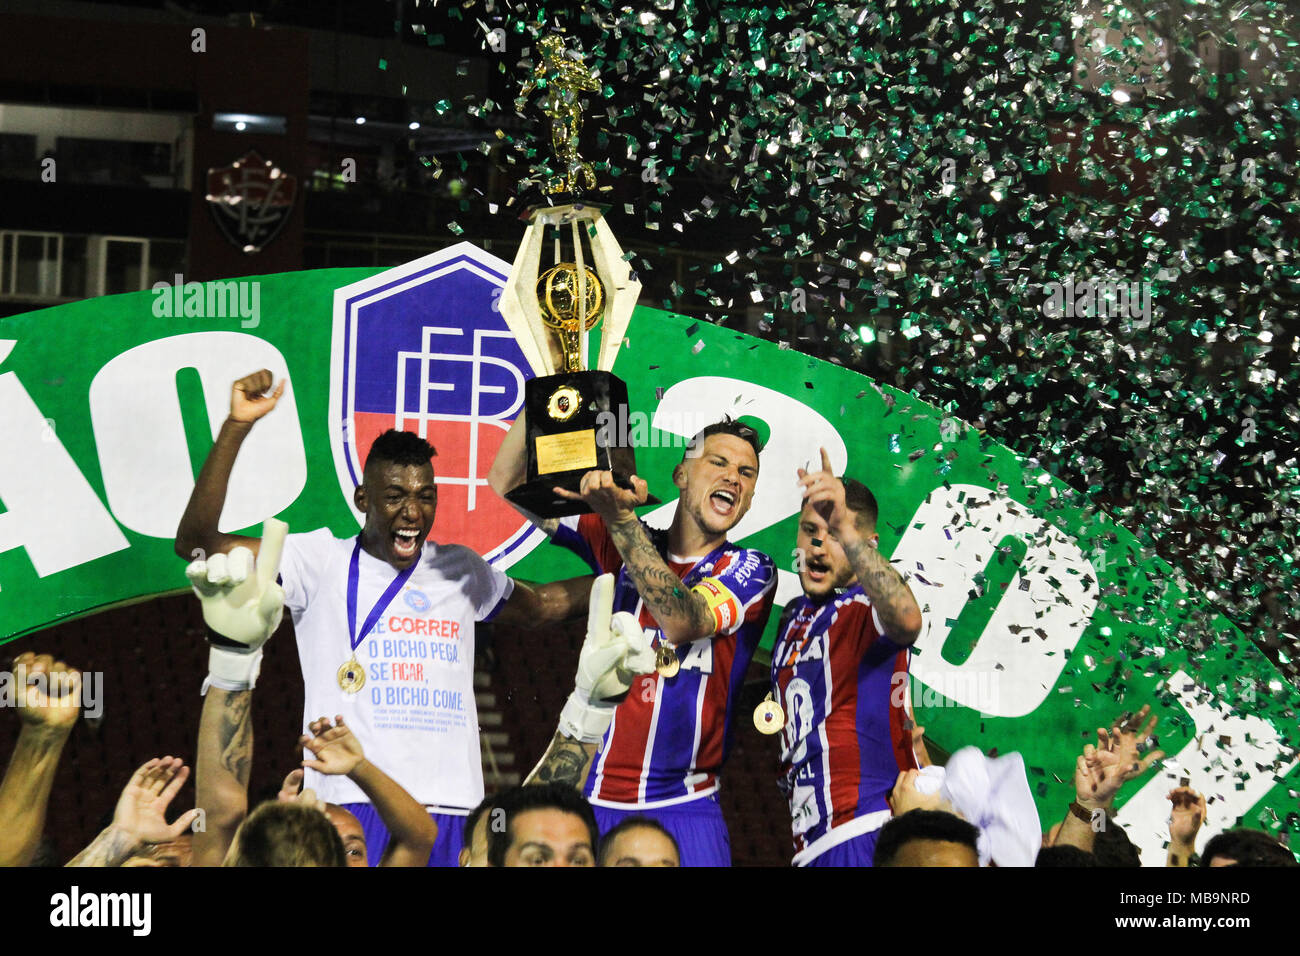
631 776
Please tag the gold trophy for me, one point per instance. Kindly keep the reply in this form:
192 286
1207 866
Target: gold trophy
552 309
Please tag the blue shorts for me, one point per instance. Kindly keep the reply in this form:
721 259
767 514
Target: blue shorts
697 826
446 849
859 851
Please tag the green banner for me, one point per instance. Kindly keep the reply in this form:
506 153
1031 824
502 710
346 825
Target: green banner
1042 619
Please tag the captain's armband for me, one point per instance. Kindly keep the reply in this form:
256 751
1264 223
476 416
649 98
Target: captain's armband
723 605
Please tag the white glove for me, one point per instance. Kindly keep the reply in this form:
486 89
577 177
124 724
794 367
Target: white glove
241 603
615 651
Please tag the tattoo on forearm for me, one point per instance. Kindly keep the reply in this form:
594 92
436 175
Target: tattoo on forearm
565 763
669 600
110 848
235 735
889 593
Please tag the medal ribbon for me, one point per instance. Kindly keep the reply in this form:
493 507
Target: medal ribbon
354 574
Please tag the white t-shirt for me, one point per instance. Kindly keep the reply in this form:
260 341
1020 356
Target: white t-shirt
415 715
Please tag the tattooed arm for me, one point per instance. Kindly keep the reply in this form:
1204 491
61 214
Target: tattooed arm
614 652
225 759
889 593
681 613
890 596
565 762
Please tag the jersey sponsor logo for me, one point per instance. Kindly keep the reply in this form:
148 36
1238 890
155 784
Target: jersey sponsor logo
423 348
699 656
751 563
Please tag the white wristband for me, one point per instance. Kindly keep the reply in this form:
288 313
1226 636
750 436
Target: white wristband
585 721
232 670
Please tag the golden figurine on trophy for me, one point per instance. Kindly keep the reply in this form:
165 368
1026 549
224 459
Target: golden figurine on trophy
553 310
564 79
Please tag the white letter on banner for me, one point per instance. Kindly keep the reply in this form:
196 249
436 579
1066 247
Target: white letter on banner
1232 777
796 434
50 508
136 414
950 553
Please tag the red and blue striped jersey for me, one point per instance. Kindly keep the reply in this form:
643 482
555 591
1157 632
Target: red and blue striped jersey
844 687
670 737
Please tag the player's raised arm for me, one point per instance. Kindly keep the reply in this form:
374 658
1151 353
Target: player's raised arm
242 605
615 651
510 470
250 398
890 596
682 613
50 705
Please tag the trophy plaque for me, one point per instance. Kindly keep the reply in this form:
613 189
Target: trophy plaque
553 309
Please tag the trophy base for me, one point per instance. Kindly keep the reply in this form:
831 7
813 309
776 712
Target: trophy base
572 422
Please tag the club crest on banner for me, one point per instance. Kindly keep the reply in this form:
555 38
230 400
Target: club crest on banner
251 200
422 347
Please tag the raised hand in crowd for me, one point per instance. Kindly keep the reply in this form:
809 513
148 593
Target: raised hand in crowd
1121 754
1186 816
140 818
48 695
335 749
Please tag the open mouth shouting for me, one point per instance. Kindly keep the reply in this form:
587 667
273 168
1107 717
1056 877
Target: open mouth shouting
723 502
407 542
818 570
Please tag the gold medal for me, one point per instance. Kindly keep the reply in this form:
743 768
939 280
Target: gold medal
769 718
352 676
666 662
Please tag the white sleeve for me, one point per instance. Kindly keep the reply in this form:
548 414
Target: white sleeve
489 588
301 563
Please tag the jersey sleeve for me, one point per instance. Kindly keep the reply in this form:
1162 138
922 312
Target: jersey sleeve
489 589
588 538
738 594
302 561
858 619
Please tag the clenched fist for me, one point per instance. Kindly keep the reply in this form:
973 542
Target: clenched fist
49 692
249 400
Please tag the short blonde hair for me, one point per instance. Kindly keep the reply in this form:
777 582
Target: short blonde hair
286 834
